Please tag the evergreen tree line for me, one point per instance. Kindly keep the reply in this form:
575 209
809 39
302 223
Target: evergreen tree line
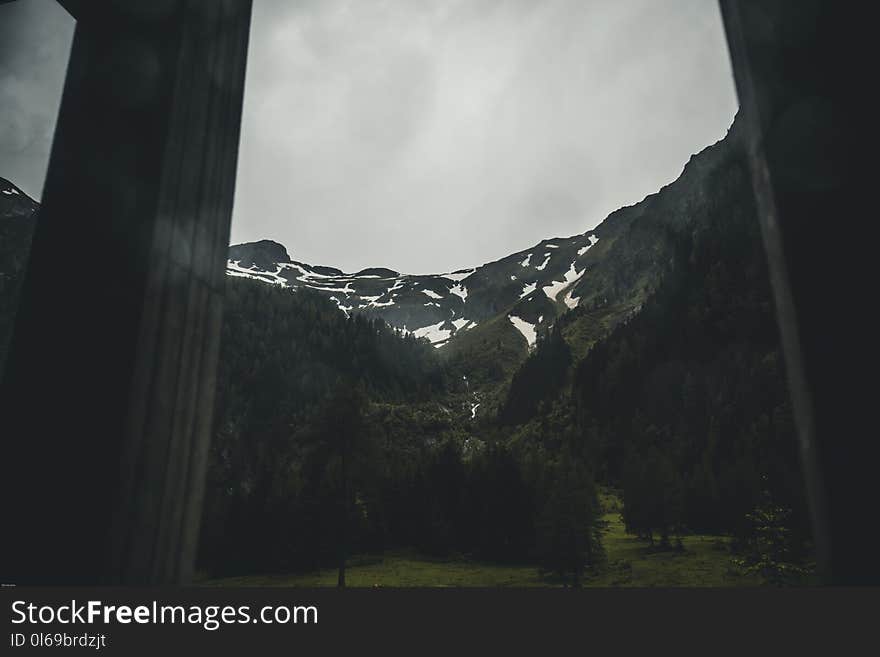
337 436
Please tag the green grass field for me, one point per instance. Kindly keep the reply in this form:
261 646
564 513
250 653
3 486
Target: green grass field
705 561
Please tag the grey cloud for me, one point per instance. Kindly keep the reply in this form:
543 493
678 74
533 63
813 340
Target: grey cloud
431 134
440 134
35 38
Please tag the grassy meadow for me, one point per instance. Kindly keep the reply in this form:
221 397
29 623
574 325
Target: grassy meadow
703 561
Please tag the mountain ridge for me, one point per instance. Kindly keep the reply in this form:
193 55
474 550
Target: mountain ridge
434 306
531 287
494 313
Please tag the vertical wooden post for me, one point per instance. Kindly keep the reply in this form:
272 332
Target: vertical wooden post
801 67
108 394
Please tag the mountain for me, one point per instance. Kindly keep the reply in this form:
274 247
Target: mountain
486 319
680 398
490 315
531 287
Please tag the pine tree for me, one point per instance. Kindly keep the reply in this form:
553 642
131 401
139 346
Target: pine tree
342 430
768 550
569 536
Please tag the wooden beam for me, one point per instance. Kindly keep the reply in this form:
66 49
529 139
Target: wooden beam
108 394
800 68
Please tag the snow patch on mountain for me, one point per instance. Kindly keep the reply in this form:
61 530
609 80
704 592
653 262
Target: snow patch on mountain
553 290
234 269
435 333
345 309
343 290
584 249
528 330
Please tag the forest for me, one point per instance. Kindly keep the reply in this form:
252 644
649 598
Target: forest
338 437
341 436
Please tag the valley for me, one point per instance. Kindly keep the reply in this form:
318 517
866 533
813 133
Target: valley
465 424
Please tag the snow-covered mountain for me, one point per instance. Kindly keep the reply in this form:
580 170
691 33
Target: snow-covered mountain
600 277
531 286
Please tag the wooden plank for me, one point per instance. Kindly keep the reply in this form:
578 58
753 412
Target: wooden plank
799 67
108 393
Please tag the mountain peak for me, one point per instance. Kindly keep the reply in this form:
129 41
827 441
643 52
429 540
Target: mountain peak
263 254
377 272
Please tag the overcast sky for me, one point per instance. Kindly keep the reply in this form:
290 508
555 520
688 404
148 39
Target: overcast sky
35 38
431 135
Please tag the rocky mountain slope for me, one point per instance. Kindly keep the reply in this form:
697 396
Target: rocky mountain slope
531 286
